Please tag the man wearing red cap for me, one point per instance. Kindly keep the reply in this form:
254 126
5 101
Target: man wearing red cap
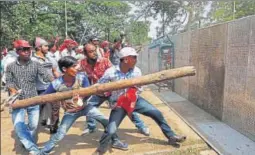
67 48
49 112
22 75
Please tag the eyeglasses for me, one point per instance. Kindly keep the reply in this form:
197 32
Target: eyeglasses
24 49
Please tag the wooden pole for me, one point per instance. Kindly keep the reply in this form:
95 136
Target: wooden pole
111 86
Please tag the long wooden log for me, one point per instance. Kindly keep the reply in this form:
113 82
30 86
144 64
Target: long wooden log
111 86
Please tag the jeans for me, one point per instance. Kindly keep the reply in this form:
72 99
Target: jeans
67 121
26 133
118 114
96 101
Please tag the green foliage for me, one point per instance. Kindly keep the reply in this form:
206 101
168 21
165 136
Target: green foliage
226 11
137 31
46 19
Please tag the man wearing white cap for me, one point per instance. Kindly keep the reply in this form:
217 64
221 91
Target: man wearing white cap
50 64
127 101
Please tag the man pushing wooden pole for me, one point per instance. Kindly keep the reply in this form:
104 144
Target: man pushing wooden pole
101 88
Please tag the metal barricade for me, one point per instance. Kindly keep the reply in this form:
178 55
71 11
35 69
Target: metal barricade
161 57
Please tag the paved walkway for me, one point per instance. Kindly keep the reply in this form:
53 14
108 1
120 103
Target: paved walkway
74 144
223 138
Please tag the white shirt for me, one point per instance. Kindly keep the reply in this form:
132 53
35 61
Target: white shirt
8 59
65 52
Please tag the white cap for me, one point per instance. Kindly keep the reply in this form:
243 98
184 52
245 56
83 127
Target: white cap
127 51
39 42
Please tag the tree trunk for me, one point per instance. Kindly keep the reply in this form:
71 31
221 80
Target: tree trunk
111 86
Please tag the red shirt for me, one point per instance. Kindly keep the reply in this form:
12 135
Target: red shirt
96 72
107 54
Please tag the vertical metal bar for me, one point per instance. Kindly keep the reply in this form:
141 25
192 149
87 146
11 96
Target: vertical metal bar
65 20
234 9
1 35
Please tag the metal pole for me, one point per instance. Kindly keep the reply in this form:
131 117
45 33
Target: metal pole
1 35
65 20
234 9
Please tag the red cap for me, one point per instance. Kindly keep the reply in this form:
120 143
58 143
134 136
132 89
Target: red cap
67 42
20 43
104 44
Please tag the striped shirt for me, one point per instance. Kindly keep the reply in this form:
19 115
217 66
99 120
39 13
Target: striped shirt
114 74
24 76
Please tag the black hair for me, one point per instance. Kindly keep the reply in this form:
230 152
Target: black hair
84 48
51 45
91 38
116 40
122 59
67 61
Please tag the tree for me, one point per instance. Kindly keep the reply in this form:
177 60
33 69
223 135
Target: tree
226 11
137 32
169 12
26 20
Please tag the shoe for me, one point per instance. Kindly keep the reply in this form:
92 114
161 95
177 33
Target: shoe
88 131
23 146
176 139
44 122
34 153
117 144
53 129
145 131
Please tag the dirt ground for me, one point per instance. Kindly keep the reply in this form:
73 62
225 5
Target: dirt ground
75 144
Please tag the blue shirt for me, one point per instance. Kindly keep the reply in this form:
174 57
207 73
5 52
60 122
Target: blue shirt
54 85
114 74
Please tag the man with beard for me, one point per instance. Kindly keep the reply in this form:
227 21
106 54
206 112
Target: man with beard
49 112
99 50
95 68
67 48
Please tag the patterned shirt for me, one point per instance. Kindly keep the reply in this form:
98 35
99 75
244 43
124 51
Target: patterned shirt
96 72
114 74
58 85
24 77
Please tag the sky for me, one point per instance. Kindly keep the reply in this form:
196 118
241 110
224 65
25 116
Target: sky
155 23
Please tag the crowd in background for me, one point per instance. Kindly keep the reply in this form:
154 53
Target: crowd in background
46 68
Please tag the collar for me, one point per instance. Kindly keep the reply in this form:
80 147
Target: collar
39 57
118 69
17 62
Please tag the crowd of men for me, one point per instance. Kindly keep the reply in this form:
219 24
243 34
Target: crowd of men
46 68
